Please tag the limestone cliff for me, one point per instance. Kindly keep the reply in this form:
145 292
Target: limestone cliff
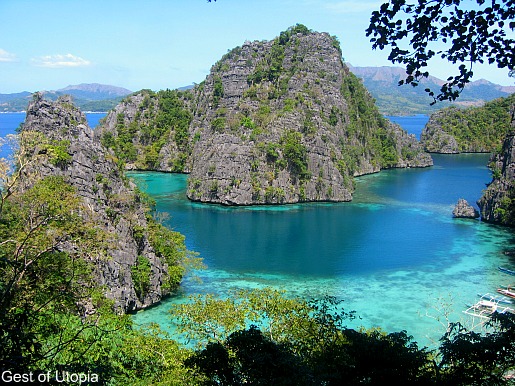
497 204
285 121
65 146
472 130
435 139
278 121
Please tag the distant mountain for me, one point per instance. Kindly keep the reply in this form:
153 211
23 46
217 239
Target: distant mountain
14 102
87 96
94 91
382 83
185 88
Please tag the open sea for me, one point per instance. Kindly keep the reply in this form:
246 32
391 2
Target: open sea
394 254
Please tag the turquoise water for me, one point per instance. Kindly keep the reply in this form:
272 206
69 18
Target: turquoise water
393 254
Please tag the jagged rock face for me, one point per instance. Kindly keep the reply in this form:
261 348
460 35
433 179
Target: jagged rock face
277 121
285 121
497 204
464 210
435 139
110 199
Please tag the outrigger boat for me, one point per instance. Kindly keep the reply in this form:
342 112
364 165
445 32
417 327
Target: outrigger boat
496 298
485 309
507 291
506 270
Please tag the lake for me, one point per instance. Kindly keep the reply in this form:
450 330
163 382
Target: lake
394 254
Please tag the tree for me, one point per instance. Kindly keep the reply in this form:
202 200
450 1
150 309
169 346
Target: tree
54 316
296 342
471 358
249 357
461 32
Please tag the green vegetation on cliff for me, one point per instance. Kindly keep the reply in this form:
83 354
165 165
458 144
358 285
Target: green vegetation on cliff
368 125
474 129
54 314
157 119
497 203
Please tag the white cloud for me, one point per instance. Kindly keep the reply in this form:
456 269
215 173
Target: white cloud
351 6
60 61
6 56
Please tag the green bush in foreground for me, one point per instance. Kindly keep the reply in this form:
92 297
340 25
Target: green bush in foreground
292 341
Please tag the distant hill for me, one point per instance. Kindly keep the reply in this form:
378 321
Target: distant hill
14 102
93 91
382 83
87 96
185 88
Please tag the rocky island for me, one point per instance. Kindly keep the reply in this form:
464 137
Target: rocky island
135 260
472 130
278 121
464 210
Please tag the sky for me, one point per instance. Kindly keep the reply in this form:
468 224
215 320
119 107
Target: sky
159 44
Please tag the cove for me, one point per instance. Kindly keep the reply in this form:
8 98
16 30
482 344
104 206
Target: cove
394 254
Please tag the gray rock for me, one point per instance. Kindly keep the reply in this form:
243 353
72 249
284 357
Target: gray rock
464 210
241 157
497 202
275 122
109 198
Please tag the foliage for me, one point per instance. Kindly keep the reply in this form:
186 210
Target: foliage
451 29
262 337
58 153
271 68
170 248
40 285
504 213
218 124
247 122
477 128
274 194
161 117
138 356
140 273
218 90
248 357
295 153
368 125
304 343
469 357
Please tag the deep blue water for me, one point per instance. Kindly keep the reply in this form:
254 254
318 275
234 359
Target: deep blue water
413 124
394 254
